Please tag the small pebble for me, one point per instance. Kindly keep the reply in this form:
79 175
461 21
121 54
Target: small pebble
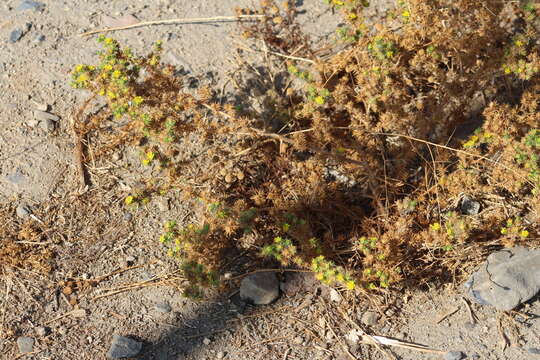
15 35
335 296
48 125
41 331
128 217
22 211
298 340
30 5
454 355
44 115
124 347
39 38
163 307
130 259
220 355
535 351
206 341
370 318
25 344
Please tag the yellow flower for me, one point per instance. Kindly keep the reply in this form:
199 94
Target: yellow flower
319 276
109 41
350 285
524 233
406 13
79 68
319 100
353 16
107 67
116 74
129 200
435 226
519 43
137 100
83 78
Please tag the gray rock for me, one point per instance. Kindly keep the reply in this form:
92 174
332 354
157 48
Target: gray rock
123 347
163 307
507 279
147 276
48 125
44 115
260 288
30 5
22 211
206 341
370 318
469 206
220 355
535 351
15 35
454 355
25 344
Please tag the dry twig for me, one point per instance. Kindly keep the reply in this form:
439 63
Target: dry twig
176 21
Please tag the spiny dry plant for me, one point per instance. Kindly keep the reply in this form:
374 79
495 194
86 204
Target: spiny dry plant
355 173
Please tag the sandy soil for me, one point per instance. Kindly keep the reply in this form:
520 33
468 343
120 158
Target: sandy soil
93 235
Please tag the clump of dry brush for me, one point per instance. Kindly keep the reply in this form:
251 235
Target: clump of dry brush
356 174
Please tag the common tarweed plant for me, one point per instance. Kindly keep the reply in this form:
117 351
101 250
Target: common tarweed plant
357 175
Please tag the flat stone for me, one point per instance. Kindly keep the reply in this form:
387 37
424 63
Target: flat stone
25 344
22 211
123 347
535 351
507 279
163 307
30 5
454 355
260 288
39 38
40 106
15 35
44 115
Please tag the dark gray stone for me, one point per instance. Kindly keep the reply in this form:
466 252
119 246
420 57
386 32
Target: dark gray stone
260 288
163 307
30 5
123 347
535 351
25 344
454 355
507 279
469 206
15 35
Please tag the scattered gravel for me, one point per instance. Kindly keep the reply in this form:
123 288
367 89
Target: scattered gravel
123 347
25 344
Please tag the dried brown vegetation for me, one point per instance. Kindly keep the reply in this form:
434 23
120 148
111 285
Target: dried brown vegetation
358 175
